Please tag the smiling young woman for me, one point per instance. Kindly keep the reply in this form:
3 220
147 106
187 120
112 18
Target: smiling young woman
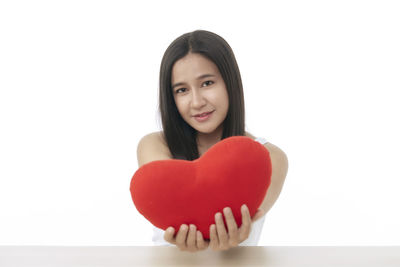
201 103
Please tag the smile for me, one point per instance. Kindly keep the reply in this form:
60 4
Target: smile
204 117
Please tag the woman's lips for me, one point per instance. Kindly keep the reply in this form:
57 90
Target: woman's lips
202 114
203 118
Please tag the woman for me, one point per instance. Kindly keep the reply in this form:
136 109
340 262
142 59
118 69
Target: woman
201 103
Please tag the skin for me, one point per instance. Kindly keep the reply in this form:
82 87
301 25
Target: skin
194 95
189 239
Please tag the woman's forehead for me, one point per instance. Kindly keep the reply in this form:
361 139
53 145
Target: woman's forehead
193 66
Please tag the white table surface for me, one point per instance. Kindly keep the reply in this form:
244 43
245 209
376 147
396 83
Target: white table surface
55 256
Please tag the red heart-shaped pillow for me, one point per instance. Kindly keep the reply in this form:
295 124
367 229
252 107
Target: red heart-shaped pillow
235 171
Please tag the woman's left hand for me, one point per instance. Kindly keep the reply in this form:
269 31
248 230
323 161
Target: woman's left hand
220 239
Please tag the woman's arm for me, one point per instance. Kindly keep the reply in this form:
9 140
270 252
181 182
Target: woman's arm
280 166
151 148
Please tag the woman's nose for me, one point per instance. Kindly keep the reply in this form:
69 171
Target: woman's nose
197 99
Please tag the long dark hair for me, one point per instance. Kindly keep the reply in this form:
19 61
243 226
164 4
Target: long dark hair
180 136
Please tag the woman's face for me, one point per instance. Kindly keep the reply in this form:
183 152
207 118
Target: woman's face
198 87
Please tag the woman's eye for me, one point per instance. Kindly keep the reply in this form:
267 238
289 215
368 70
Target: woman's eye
208 82
177 91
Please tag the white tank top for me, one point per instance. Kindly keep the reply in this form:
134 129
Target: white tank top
252 240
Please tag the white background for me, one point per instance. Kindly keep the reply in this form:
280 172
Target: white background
79 88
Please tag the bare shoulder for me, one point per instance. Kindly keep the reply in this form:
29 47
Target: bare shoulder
250 135
280 163
274 149
152 147
277 154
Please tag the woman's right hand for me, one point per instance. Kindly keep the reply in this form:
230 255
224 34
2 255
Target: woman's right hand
187 239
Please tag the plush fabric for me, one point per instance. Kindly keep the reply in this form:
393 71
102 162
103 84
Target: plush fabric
233 172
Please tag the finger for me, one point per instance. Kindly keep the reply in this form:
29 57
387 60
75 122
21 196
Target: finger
214 242
221 230
181 236
169 235
230 221
232 227
200 243
244 230
191 239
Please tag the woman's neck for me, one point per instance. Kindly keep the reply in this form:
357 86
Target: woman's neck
205 141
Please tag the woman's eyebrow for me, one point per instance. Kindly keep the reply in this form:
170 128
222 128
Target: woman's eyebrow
198 78
205 76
